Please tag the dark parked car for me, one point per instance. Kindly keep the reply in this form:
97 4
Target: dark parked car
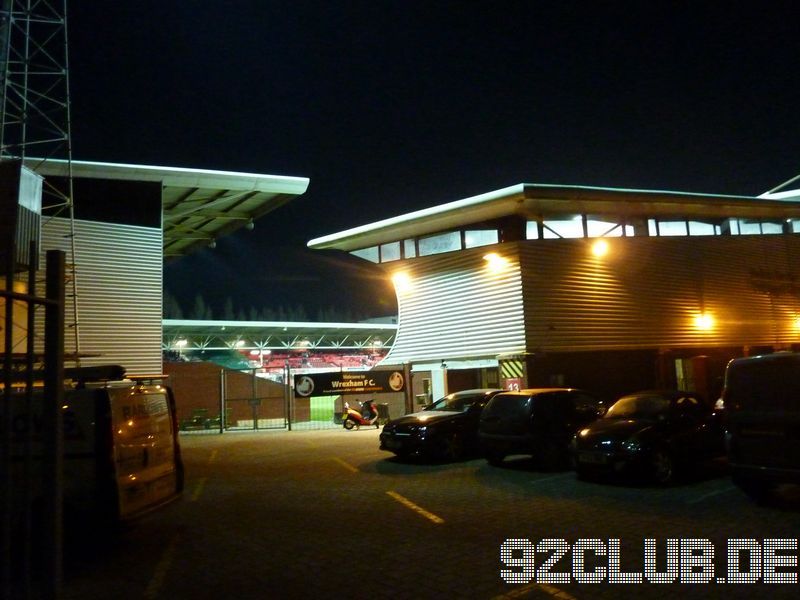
653 434
761 401
540 422
445 430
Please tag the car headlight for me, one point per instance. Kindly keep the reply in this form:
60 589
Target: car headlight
632 446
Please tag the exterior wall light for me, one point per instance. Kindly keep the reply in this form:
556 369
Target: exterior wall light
402 282
704 322
600 248
494 262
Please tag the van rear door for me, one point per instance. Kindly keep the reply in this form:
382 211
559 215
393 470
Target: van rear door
146 455
762 402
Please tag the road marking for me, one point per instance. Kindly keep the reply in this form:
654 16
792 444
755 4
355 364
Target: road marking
199 488
213 456
724 490
346 465
417 509
551 478
154 587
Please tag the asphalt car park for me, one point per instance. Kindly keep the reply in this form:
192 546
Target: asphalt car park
327 513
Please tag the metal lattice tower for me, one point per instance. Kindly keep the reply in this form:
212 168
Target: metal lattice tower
35 104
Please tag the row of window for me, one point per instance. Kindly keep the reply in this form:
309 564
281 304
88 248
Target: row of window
575 227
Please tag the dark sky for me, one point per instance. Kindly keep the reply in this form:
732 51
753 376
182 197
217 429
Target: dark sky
392 106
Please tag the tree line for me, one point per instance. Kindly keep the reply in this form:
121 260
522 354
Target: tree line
201 310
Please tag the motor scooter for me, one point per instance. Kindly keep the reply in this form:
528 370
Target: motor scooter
368 416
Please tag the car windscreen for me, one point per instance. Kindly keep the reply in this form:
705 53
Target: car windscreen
764 385
455 403
508 405
646 406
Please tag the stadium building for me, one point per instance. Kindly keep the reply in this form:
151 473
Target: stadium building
607 289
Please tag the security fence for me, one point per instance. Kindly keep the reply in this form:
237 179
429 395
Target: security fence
204 392
211 399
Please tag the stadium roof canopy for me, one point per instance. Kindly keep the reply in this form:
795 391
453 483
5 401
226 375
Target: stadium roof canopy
275 335
198 205
533 200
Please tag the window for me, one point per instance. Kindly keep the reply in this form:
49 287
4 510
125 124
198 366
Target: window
667 228
748 227
702 228
771 227
409 248
596 227
479 237
565 228
390 251
532 230
370 254
436 244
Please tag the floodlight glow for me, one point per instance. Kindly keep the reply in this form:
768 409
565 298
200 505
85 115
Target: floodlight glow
704 322
181 343
494 262
402 282
600 248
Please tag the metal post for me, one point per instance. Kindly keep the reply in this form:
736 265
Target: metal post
27 477
254 401
52 425
222 401
6 482
288 396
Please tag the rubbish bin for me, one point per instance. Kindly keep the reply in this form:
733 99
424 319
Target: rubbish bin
383 413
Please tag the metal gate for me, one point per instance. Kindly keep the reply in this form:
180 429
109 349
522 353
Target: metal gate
213 399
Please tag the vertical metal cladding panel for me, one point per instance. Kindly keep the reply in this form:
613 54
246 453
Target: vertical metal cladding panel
647 292
119 275
456 308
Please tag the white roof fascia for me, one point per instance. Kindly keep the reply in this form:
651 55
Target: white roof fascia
174 176
418 215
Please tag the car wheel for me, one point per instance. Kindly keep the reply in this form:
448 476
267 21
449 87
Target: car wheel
494 457
663 467
581 473
758 491
449 447
348 424
551 457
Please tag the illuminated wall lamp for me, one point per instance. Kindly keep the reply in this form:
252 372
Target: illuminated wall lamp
600 248
704 322
494 262
402 282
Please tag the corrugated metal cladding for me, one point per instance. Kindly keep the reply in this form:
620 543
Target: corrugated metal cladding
119 276
456 307
647 292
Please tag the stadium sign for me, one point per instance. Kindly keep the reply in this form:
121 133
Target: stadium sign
341 383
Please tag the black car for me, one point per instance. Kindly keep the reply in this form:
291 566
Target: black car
445 430
654 434
540 422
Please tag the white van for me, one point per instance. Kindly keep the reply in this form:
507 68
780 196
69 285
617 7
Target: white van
121 451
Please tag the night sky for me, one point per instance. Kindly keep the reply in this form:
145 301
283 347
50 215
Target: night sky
393 106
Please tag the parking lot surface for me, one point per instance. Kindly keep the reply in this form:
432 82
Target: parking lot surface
325 513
